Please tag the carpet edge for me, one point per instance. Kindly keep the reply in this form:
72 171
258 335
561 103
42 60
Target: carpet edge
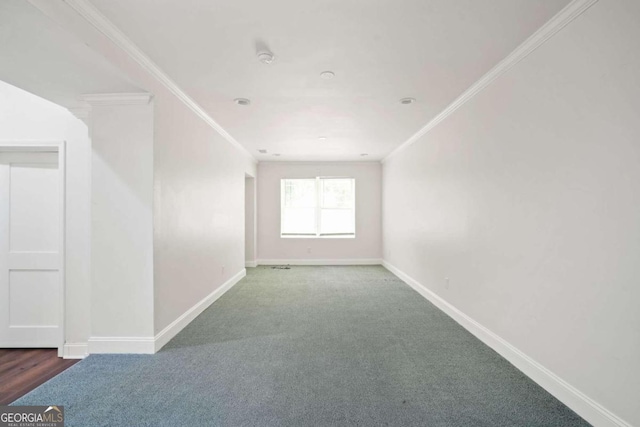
584 406
165 335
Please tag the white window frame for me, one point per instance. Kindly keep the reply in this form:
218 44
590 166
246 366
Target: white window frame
318 210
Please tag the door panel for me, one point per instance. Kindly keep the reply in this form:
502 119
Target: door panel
33 298
34 207
30 276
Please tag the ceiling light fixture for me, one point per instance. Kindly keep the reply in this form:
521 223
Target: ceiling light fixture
322 138
266 57
327 75
242 101
407 101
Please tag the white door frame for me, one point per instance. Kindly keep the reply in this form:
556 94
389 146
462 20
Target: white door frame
59 147
254 206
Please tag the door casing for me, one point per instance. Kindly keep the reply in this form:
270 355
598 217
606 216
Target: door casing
23 146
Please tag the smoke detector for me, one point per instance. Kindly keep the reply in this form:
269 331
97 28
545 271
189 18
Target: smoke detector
327 75
407 101
242 101
266 57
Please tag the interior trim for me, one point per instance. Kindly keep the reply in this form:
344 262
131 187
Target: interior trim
75 350
544 33
97 99
584 406
92 15
187 317
302 261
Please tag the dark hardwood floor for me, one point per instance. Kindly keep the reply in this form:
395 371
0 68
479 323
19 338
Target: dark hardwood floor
22 370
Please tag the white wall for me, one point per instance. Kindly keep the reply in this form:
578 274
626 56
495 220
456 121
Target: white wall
198 209
250 220
198 186
24 116
366 244
122 224
167 225
528 199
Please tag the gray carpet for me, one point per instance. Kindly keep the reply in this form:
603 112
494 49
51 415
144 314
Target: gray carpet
308 346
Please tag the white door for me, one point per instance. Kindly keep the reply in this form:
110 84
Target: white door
30 276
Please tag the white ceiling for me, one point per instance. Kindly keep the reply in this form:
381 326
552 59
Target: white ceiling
380 51
39 56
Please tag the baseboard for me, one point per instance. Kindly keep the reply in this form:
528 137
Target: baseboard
356 261
150 345
75 350
177 325
584 406
121 345
251 263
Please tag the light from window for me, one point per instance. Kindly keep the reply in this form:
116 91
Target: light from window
318 207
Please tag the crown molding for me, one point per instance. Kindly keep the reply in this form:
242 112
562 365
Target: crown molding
100 99
82 112
92 15
544 33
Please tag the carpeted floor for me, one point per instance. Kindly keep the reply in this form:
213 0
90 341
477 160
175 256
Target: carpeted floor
308 346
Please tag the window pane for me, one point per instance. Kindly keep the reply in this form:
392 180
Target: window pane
337 221
299 193
299 206
305 212
337 193
298 221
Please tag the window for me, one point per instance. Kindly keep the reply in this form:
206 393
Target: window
318 207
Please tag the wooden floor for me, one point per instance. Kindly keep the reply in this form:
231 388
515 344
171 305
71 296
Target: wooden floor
22 370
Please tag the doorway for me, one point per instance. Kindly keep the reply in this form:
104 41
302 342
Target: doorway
250 221
32 245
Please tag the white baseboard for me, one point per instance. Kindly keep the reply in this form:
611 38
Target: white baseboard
177 325
584 406
251 263
357 261
121 345
75 350
150 345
